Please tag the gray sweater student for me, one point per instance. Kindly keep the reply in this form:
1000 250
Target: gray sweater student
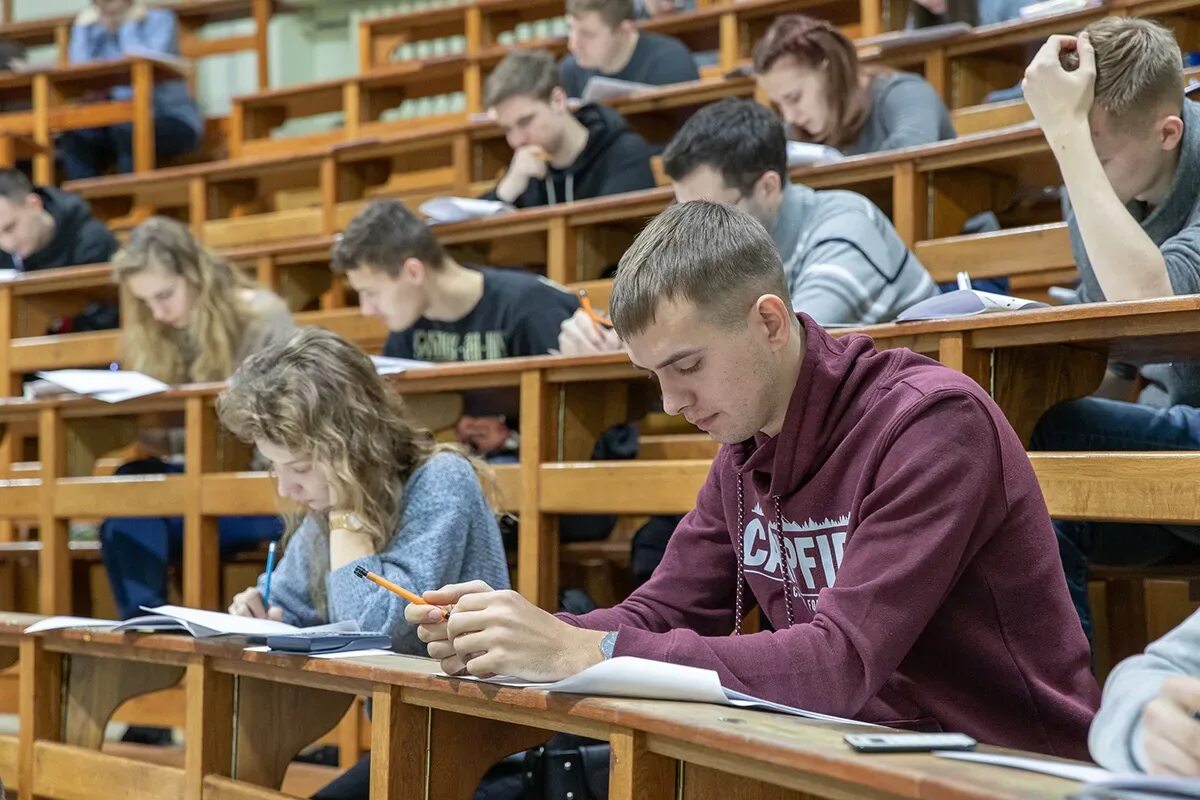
447 534
1144 722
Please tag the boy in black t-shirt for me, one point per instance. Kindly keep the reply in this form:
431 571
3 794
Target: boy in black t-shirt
440 310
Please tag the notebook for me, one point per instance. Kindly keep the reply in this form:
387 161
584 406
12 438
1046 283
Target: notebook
626 676
197 622
1147 787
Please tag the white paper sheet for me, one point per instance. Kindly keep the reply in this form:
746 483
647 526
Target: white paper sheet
386 365
1072 772
802 153
60 623
460 209
600 88
109 386
626 676
330 656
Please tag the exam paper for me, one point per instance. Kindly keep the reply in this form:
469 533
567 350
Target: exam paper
460 209
110 386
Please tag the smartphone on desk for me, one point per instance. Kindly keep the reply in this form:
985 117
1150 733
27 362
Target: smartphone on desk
908 742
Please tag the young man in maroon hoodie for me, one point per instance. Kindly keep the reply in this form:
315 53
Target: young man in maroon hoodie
923 586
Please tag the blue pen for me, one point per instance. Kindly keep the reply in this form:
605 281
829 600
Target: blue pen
270 569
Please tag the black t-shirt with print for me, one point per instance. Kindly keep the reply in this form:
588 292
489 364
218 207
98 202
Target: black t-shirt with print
519 314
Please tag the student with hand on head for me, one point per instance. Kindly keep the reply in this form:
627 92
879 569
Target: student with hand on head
558 155
190 316
844 262
1149 717
875 505
42 227
369 489
1127 141
604 40
440 310
810 71
112 29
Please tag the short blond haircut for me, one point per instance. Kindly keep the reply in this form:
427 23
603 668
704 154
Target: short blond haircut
1139 69
613 12
522 73
714 256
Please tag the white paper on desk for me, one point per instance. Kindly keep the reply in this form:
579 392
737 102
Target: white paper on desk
600 88
1059 769
460 209
7 275
61 623
110 386
329 656
800 154
626 676
965 303
386 365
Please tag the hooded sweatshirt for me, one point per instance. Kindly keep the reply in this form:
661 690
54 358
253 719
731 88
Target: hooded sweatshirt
79 238
1175 227
614 160
924 588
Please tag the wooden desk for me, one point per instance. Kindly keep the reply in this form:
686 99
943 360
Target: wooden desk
193 15
249 713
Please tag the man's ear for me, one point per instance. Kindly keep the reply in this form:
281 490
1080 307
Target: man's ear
415 270
626 27
34 202
769 184
775 318
558 98
1170 131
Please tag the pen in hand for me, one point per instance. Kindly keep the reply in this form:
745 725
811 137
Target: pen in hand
270 569
400 590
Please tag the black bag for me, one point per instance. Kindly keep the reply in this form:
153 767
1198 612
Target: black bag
567 768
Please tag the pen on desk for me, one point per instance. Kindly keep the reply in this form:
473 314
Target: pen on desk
393 588
597 317
270 569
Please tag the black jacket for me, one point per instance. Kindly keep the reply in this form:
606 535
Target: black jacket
615 160
79 238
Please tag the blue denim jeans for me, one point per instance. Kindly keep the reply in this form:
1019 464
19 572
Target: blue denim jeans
1096 424
137 550
89 152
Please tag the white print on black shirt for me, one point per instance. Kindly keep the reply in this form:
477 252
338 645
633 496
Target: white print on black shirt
814 552
434 345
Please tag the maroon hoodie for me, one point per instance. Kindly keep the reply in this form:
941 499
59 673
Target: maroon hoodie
924 580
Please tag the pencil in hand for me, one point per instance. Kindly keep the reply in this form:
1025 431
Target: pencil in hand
601 319
362 572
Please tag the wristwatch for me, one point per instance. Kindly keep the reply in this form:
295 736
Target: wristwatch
345 521
608 644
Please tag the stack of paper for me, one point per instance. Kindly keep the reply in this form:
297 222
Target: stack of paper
600 88
802 153
110 386
643 678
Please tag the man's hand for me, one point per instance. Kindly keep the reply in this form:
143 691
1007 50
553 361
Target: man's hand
528 163
1061 98
502 633
579 335
484 435
1172 734
249 603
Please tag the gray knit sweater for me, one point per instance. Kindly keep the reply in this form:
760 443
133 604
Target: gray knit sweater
1116 735
844 262
905 111
447 534
1175 227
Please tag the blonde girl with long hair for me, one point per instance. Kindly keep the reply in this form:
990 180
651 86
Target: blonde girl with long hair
188 315
367 487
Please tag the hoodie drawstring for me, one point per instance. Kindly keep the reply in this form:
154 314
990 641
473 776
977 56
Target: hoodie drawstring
569 184
741 561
